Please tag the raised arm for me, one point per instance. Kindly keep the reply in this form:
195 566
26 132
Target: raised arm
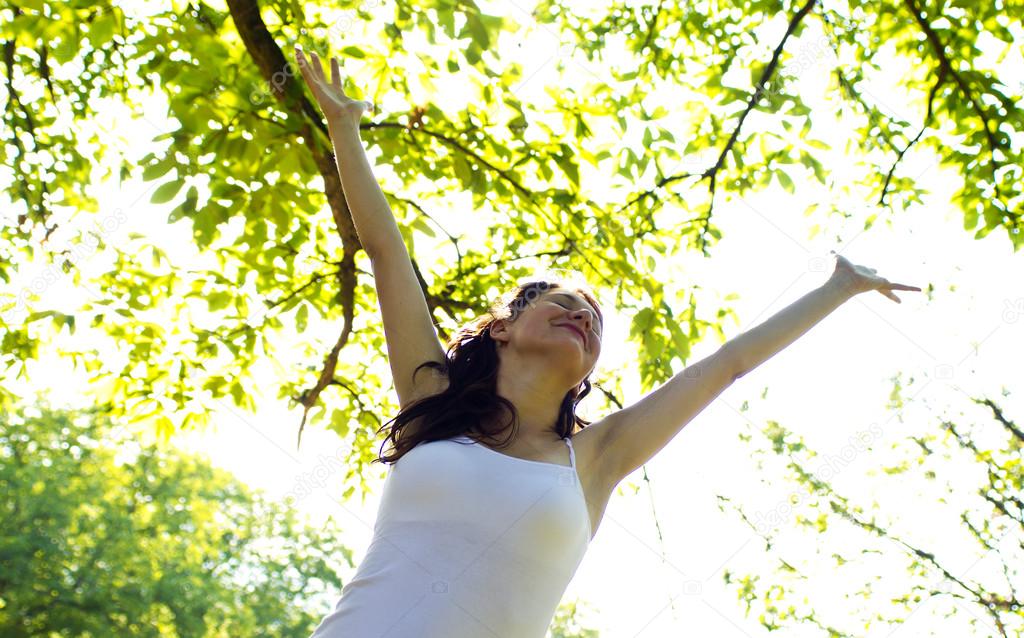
631 436
408 327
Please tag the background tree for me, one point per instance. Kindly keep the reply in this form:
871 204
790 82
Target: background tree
968 116
250 148
101 536
669 108
885 553
248 169
565 624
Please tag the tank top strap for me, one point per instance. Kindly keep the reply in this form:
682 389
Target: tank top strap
572 453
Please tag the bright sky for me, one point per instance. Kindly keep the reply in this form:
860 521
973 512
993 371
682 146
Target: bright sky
831 387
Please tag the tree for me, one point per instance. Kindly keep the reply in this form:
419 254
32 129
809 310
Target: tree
565 624
101 536
249 170
885 556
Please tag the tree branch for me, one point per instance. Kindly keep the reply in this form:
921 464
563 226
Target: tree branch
998 413
924 127
269 60
309 397
944 62
504 174
711 173
766 75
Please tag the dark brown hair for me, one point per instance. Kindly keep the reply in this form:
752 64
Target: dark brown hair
471 402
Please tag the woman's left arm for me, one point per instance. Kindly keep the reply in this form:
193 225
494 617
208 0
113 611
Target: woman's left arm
630 437
752 348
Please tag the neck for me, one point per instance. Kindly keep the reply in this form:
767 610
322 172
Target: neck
537 389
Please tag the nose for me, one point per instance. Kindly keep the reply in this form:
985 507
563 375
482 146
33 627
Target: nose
585 316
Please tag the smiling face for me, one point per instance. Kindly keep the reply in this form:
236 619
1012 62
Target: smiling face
581 318
560 324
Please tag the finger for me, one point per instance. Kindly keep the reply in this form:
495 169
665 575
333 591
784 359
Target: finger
335 73
904 287
318 68
303 65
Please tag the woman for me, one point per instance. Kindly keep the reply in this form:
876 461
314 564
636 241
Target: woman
470 541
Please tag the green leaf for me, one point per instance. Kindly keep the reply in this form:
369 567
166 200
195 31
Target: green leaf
35 316
101 29
218 300
568 165
462 169
191 197
679 340
237 393
166 191
423 227
641 322
340 422
187 208
784 179
477 30
159 168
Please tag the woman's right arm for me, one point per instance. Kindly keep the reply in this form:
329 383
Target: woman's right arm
408 326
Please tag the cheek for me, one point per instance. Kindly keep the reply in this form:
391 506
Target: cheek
536 328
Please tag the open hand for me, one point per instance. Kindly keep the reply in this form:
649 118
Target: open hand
855 279
332 100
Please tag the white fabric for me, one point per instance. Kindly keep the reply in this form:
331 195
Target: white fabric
469 542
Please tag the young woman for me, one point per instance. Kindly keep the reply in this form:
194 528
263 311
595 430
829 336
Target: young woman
471 541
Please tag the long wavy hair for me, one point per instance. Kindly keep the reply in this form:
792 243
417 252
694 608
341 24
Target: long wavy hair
471 403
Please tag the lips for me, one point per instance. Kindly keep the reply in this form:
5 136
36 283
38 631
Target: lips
583 338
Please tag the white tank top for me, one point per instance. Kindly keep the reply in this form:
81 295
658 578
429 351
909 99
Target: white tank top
468 542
